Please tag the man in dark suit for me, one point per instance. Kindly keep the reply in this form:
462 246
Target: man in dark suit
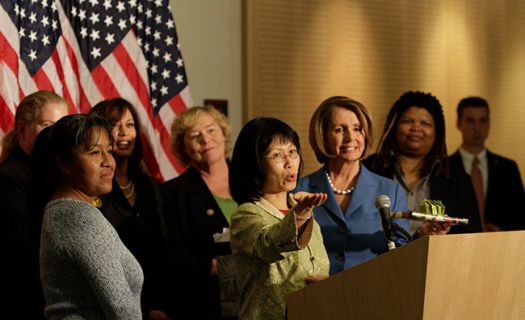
496 180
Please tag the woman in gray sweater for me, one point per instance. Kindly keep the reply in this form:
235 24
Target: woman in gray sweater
86 271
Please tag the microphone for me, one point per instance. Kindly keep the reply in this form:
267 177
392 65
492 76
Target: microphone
382 204
428 217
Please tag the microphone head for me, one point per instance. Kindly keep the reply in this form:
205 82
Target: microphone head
382 201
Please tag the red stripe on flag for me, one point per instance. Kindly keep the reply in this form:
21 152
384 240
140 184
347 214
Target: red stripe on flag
164 139
8 119
8 54
177 104
42 81
104 83
130 70
65 90
84 105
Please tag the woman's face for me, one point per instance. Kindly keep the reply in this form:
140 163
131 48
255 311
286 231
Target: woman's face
92 168
281 163
49 114
124 134
344 137
204 143
416 132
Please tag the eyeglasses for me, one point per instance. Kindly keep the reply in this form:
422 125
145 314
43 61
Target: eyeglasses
280 157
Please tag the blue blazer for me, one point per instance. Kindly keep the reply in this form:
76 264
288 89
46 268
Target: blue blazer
356 235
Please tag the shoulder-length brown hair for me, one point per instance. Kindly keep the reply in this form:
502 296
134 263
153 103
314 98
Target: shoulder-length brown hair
321 119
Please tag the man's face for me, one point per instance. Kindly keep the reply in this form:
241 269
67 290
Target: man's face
474 126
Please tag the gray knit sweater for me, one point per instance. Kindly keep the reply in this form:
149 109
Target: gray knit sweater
86 271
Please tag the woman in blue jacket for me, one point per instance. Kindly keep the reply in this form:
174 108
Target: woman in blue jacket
340 134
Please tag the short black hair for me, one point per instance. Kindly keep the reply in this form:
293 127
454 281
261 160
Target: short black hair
247 171
471 102
59 142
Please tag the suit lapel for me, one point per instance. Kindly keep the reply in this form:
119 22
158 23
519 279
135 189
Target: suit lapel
319 183
361 191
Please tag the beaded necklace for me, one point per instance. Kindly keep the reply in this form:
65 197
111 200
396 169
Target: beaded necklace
337 191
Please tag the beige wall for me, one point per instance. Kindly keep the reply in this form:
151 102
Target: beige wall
210 37
296 53
301 52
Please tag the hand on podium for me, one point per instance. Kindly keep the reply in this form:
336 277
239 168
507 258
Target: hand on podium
433 228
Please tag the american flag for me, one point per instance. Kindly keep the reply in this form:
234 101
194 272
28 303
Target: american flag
90 50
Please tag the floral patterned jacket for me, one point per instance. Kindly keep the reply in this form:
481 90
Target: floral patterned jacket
272 259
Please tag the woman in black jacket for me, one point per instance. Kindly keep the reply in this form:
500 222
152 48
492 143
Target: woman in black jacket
413 152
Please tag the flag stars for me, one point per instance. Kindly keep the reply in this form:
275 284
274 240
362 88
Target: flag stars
158 19
122 24
108 21
22 32
132 3
155 52
148 30
153 86
82 15
110 38
95 52
132 19
169 40
165 73
179 62
83 32
54 24
164 90
170 24
167 57
149 13
32 17
158 3
32 55
45 40
154 69
93 2
95 35
54 6
32 36
139 25
107 4
179 78
74 12
156 35
45 21
120 6
94 18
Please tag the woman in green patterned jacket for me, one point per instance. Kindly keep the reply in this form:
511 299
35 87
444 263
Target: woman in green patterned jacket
277 244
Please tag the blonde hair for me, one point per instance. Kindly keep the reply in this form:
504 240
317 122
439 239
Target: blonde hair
186 120
321 119
27 112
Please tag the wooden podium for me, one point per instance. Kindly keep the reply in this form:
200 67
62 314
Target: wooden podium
466 276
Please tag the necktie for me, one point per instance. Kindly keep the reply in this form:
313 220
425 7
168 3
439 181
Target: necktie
477 182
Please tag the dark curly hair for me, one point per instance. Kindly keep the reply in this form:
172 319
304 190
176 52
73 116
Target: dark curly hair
388 144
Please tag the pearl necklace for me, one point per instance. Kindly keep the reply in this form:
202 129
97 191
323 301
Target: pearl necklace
337 191
131 192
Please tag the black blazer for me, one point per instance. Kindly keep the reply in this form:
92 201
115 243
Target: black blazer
139 228
454 190
505 192
191 217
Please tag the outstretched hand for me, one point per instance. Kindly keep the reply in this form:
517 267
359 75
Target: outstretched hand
307 201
